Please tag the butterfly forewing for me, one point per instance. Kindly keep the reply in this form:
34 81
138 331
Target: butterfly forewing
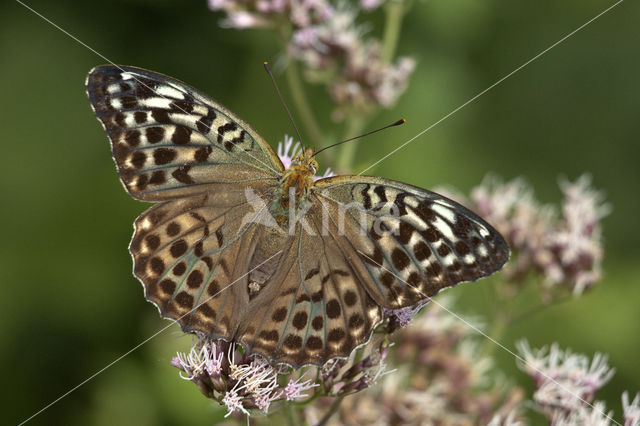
411 241
168 140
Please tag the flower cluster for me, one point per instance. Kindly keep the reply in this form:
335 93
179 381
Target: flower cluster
241 14
567 250
566 384
222 372
341 377
330 43
564 381
441 380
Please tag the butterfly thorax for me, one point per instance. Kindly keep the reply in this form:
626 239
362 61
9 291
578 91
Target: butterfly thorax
297 180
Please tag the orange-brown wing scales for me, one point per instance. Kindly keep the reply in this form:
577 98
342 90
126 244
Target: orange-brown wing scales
170 141
412 242
186 252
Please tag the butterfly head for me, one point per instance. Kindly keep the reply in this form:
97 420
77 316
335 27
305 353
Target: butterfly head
305 162
298 178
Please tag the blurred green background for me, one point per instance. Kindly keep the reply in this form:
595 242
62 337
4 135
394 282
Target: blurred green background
70 304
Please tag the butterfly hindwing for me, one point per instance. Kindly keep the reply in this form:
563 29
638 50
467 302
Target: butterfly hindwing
320 310
168 140
187 251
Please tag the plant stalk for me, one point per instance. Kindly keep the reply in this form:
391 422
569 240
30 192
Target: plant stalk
301 103
332 410
347 152
394 11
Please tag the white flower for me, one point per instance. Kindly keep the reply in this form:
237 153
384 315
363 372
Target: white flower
502 420
242 20
564 380
631 410
584 416
218 4
192 364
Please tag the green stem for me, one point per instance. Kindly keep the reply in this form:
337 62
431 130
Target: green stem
394 11
332 410
301 102
290 414
347 151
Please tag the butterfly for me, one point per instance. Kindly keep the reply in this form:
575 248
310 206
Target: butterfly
222 253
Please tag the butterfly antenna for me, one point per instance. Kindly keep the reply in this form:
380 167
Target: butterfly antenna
268 68
397 123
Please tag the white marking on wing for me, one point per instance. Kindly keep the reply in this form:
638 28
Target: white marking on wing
200 110
113 88
116 103
469 259
156 102
449 259
126 76
415 239
483 231
411 202
444 228
170 92
415 220
482 251
129 120
444 212
374 197
186 119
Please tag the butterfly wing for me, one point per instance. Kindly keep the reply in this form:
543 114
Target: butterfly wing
319 310
411 242
189 253
168 140
175 145
365 244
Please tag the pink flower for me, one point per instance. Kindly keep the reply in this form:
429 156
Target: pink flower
370 5
404 316
213 359
294 388
234 403
564 380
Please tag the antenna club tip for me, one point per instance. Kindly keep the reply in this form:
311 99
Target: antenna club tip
403 120
266 63
399 122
